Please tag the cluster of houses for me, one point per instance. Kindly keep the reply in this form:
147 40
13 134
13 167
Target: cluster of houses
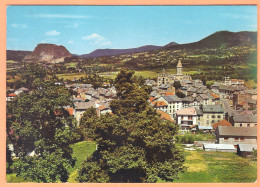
227 109
88 97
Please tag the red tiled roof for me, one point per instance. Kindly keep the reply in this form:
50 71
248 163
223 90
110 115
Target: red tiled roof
159 103
101 107
168 93
12 95
151 99
164 115
214 95
70 110
242 103
221 123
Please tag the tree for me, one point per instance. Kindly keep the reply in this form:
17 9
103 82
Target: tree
177 84
87 123
132 96
38 123
134 144
180 94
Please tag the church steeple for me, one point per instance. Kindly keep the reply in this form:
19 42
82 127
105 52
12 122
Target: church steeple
179 68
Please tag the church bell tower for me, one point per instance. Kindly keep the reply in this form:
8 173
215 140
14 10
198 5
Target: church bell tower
179 68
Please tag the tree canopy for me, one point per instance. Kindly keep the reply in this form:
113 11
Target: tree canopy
134 144
39 125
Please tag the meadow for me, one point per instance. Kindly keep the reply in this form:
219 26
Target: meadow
201 166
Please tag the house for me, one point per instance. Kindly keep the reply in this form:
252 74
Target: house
160 105
174 103
221 123
212 114
246 150
215 87
81 107
243 120
236 135
10 97
219 147
101 110
186 118
190 102
234 82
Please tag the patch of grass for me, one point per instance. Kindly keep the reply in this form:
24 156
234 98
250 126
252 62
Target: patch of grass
217 167
71 76
81 151
12 178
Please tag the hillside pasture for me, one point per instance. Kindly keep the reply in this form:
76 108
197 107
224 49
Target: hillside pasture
71 76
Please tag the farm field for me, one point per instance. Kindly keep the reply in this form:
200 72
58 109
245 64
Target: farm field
217 167
71 76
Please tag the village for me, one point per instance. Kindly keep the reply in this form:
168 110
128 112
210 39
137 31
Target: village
226 110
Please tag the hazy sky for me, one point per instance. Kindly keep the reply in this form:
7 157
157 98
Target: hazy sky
82 29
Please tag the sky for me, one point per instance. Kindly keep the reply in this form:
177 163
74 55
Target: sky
83 29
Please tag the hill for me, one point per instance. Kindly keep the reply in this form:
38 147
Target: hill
16 55
112 52
50 53
220 39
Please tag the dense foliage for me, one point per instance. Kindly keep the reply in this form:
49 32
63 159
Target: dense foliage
134 144
40 130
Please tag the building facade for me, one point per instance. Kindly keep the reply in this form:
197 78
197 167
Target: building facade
165 78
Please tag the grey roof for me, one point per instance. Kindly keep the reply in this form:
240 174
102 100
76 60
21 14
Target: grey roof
153 94
85 105
212 109
188 99
199 112
245 118
77 100
192 89
204 96
171 98
183 88
247 147
228 88
237 131
202 127
219 146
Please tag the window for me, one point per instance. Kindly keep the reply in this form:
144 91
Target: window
182 117
236 138
219 116
207 116
189 117
242 139
212 121
240 125
207 121
226 138
248 125
213 116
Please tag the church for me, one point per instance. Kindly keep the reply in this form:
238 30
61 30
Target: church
167 79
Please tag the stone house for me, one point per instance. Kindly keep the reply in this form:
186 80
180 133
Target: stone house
236 135
211 114
173 102
244 120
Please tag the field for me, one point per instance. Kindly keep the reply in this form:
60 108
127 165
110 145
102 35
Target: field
81 151
217 167
202 166
71 76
